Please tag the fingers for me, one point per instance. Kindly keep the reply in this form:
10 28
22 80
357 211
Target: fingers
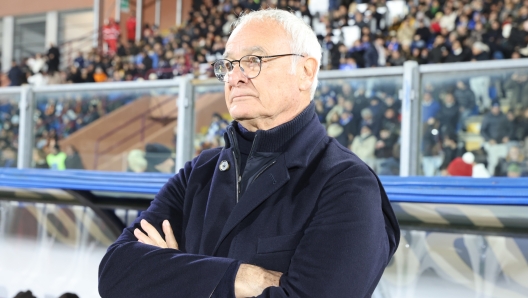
169 235
143 238
153 234
153 237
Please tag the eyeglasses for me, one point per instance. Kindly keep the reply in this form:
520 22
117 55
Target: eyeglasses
250 66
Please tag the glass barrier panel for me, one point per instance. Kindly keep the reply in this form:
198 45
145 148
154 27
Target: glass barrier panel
54 248
120 130
443 264
346 107
363 114
9 128
475 123
212 117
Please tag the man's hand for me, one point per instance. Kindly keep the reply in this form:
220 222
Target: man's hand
154 238
253 280
250 280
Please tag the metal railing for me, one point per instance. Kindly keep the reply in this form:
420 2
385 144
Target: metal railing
411 76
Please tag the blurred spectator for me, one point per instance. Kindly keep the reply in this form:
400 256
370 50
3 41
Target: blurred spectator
36 64
26 294
495 130
478 170
458 53
99 75
458 167
8 158
111 34
136 161
39 159
367 119
517 90
430 107
514 157
68 295
56 158
466 102
79 61
450 149
159 158
73 160
431 148
364 146
514 171
391 165
15 74
336 130
131 27
53 58
439 51
38 79
448 115
216 129
522 127
384 145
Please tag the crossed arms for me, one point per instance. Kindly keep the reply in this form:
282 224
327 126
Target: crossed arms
342 253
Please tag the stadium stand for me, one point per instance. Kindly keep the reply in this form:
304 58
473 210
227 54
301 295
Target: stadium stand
353 35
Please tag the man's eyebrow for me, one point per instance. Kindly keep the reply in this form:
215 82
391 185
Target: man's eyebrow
248 51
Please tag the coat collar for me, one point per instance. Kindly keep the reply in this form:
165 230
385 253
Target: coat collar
295 139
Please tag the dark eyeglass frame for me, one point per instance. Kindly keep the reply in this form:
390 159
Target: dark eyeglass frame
260 63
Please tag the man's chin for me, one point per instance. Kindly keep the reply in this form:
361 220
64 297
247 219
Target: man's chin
241 112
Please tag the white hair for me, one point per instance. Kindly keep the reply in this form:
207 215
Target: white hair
302 38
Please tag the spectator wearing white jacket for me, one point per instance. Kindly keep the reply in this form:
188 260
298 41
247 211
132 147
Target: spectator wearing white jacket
364 146
479 170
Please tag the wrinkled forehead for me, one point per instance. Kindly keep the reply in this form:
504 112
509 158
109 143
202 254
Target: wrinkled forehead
258 37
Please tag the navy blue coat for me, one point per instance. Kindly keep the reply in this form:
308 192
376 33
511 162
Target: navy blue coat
316 213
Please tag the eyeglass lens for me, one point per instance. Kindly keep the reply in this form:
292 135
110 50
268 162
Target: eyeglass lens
249 65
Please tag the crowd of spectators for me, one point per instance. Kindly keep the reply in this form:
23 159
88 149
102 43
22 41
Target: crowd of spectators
363 116
353 34
485 115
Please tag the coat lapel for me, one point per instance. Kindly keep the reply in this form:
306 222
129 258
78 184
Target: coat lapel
266 184
220 203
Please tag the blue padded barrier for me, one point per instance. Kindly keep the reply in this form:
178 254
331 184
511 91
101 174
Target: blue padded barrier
446 190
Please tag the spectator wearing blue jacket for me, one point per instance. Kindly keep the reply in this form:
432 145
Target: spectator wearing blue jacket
430 107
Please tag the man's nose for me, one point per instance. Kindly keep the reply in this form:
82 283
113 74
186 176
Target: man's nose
237 75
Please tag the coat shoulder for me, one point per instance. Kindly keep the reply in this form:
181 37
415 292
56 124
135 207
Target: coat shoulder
337 158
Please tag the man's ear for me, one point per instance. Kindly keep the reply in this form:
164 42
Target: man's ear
309 70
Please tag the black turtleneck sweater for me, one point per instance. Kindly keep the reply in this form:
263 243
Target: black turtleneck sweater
266 145
245 142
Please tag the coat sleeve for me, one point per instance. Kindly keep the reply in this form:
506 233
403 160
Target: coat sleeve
484 129
133 269
347 244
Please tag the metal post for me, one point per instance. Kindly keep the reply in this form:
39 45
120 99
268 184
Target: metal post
410 127
96 12
8 28
52 28
117 16
186 118
178 12
157 13
139 13
25 134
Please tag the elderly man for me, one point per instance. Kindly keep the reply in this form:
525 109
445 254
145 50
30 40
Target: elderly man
282 210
